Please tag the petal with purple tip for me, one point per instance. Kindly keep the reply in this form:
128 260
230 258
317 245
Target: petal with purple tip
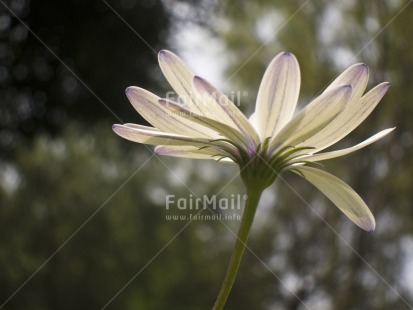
150 135
357 76
180 78
277 95
352 116
314 117
148 106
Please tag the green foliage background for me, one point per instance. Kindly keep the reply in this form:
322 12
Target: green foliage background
82 213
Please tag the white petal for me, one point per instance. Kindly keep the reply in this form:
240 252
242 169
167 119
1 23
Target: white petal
137 126
149 135
226 131
278 94
148 106
357 76
342 195
351 117
338 153
180 77
253 121
188 152
313 118
224 109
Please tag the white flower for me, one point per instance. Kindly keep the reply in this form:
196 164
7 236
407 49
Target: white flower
273 139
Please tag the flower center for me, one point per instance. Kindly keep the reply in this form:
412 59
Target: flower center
262 168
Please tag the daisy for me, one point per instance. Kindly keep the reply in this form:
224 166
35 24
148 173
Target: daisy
205 124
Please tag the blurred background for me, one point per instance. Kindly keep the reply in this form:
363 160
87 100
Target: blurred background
82 212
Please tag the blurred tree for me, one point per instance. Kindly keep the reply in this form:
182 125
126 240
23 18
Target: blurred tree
39 93
74 208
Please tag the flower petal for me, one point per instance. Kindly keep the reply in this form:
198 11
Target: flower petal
357 76
342 195
253 121
149 135
147 105
188 152
351 117
223 129
338 153
277 95
180 77
313 118
224 109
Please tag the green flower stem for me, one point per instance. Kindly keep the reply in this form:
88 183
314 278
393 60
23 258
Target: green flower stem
253 198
